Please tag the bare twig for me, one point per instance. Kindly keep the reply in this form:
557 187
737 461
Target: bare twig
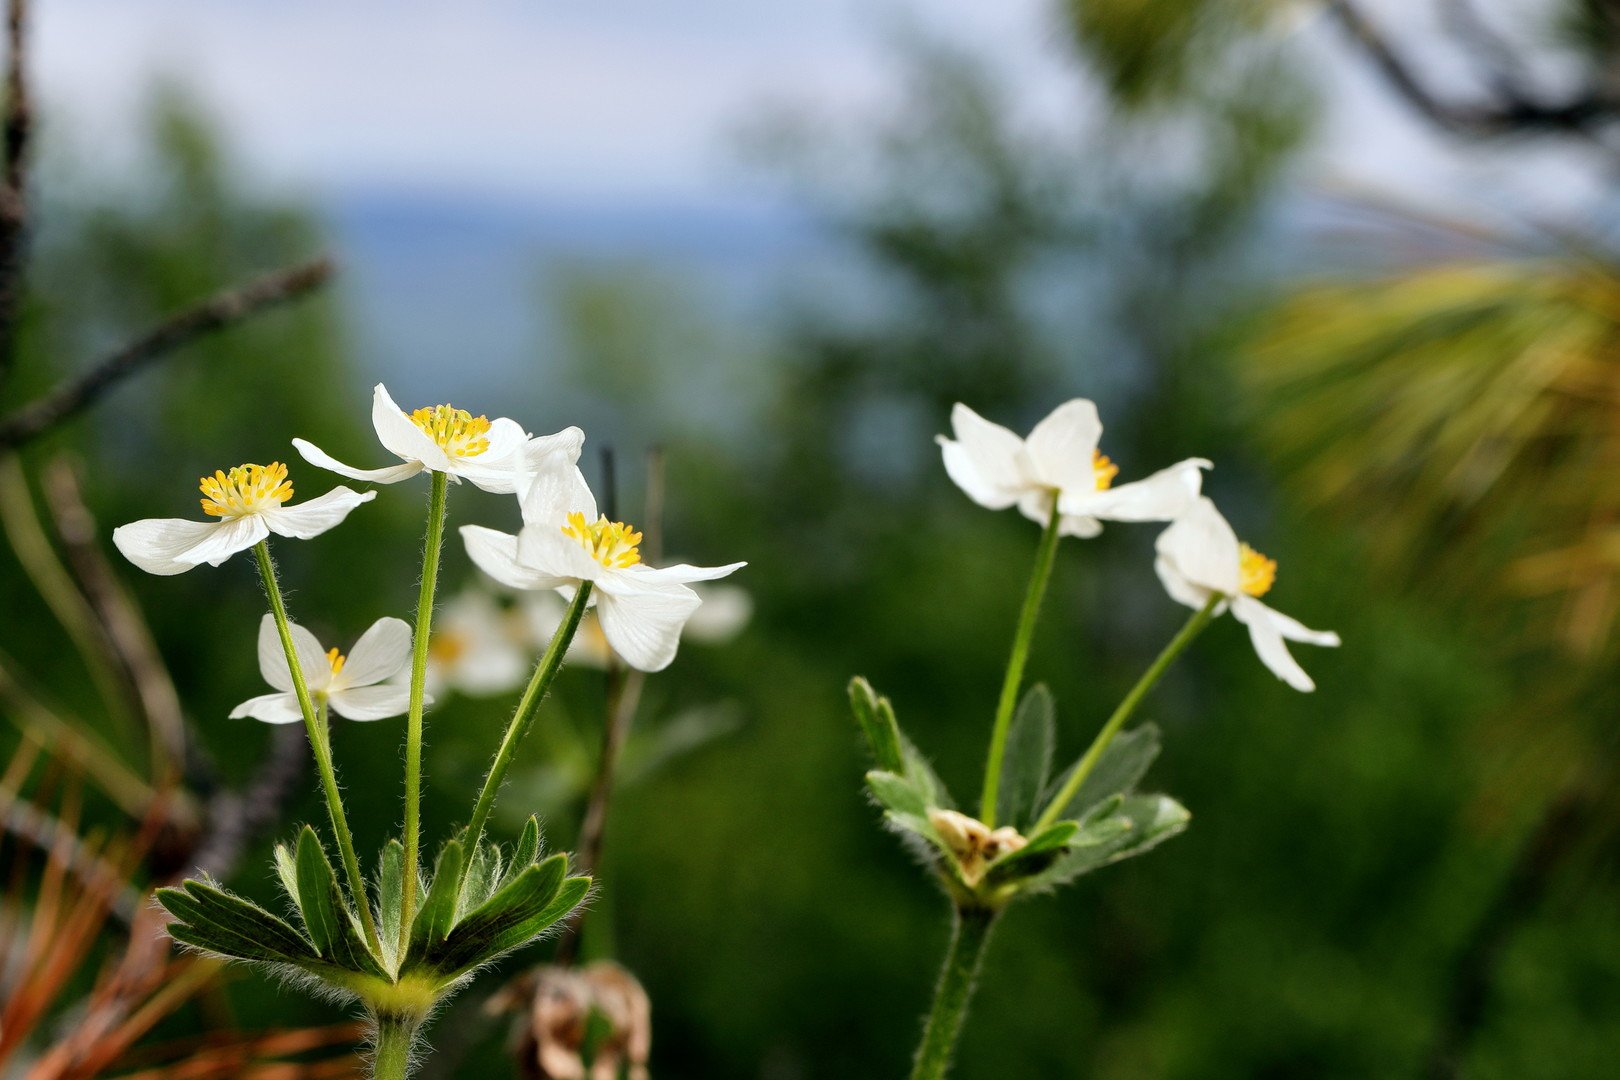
1516 112
16 129
220 311
126 634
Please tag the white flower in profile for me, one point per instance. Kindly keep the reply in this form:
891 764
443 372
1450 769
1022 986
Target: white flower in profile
249 504
725 610
354 686
1199 557
496 455
564 542
1060 460
477 648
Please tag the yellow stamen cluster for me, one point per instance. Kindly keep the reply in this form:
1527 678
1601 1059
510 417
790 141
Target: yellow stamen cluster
458 432
245 489
1104 470
1255 571
611 543
336 659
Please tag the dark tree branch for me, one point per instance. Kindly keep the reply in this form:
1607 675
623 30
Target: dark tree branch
223 310
1514 113
16 130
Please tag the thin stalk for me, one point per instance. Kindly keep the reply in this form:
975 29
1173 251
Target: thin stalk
391 1056
315 726
523 718
1038 578
969 933
1178 644
413 724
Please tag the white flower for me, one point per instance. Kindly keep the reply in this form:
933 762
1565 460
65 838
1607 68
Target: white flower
1060 460
496 455
565 542
1199 557
349 685
248 503
476 649
726 610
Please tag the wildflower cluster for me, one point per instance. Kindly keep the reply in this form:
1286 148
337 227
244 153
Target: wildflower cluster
1034 829
402 940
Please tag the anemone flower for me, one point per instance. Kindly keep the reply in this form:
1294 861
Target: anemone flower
496 455
353 686
1199 557
249 504
1060 460
478 649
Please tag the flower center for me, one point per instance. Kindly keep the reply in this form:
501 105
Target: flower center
1255 571
244 490
447 646
611 543
336 659
1103 469
458 432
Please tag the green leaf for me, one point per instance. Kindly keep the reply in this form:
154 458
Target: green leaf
1043 849
1027 763
539 896
1118 771
1141 823
220 922
528 850
332 927
438 913
922 776
876 718
390 891
480 880
287 870
897 793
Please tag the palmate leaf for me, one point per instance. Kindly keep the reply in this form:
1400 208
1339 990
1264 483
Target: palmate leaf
1027 762
332 927
438 912
1120 768
534 900
1135 825
212 919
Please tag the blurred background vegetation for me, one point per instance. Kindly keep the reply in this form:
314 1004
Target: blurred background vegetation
1409 873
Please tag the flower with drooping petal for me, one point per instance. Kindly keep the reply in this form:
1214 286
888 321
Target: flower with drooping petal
564 542
354 686
496 455
249 504
1060 460
477 648
1199 556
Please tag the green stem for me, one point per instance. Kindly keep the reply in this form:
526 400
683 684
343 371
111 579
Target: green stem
315 725
969 933
1178 644
523 718
391 1057
1038 578
413 723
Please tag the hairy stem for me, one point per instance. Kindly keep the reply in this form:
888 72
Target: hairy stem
413 725
315 725
523 718
1025 633
969 933
391 1057
1178 644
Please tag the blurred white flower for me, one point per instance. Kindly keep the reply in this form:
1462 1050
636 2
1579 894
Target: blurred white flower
249 503
476 649
348 684
496 455
565 542
1060 460
1199 556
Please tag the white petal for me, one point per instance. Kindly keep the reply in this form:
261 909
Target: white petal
502 468
1036 504
390 474
682 573
496 554
315 516
271 708
273 658
371 702
1202 548
966 473
1061 449
556 490
155 544
489 666
1292 629
546 549
644 625
1180 589
236 534
382 651
401 436
1163 496
1269 644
